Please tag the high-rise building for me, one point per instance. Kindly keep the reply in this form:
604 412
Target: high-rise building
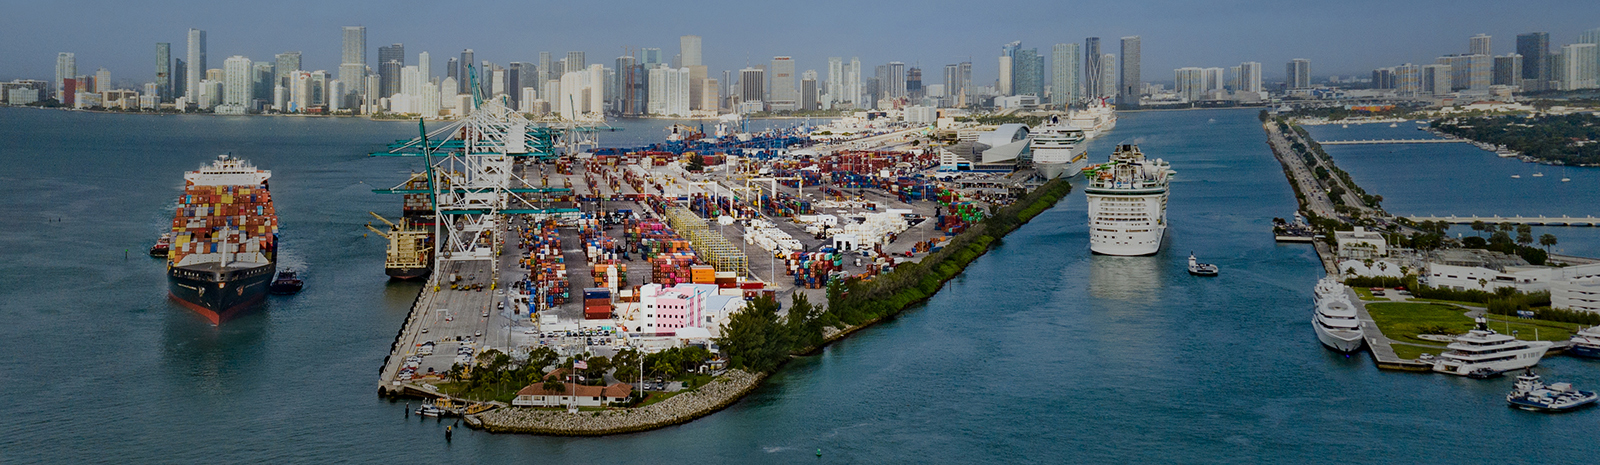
1297 75
287 63
896 79
752 84
463 78
1093 87
689 49
452 70
1383 78
353 67
809 100
1065 87
669 91
261 83
853 85
1577 70
1250 76
180 78
1508 70
196 60
781 95
1435 79
102 80
1108 76
575 62
914 82
1479 45
1027 73
163 72
1129 93
835 86
1408 80
649 57
1008 68
1535 50
1189 83
1213 79
237 85
391 59
66 68
1469 72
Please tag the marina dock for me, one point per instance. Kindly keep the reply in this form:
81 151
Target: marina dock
1378 345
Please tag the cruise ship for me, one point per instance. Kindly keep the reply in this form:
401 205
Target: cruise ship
225 240
1483 352
1095 120
1127 199
1335 320
1058 149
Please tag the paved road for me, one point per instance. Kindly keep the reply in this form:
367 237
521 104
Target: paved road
1316 197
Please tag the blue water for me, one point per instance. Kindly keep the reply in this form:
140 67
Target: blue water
1463 180
1041 352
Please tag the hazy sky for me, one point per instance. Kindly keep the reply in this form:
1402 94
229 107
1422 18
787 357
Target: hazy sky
1339 37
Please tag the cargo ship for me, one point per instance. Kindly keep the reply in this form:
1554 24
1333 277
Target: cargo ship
410 252
224 240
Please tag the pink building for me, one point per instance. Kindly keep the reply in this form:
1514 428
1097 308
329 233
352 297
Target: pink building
663 310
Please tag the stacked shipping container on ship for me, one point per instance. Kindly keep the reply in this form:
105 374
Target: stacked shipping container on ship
224 239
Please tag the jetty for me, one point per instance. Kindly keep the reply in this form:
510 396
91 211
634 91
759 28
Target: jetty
1528 220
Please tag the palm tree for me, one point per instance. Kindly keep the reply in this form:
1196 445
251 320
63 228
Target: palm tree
1507 227
1479 226
1547 240
1524 238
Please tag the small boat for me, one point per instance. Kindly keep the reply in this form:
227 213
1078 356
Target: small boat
1531 394
163 245
1516 176
1538 175
1394 125
286 283
1566 179
1483 373
430 411
1201 269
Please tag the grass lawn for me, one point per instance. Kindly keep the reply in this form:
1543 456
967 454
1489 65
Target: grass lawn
1412 352
657 396
1366 294
1452 302
1403 321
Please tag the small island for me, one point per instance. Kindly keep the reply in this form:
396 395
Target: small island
1553 139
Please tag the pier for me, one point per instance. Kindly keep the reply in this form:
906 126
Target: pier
1394 141
1528 220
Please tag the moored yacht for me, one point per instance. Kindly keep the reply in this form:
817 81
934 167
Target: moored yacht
1586 343
1337 326
1483 352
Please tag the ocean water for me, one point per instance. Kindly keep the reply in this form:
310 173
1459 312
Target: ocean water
1041 352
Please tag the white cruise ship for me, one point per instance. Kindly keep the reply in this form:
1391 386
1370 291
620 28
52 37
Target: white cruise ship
1483 352
1095 120
1127 199
1058 149
1336 323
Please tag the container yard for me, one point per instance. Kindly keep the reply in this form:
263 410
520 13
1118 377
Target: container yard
576 259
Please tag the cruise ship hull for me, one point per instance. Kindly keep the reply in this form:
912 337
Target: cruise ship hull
1129 245
1343 342
220 300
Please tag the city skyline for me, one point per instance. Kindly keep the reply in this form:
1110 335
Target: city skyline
124 46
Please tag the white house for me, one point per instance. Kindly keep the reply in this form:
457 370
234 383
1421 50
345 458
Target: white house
535 395
1360 244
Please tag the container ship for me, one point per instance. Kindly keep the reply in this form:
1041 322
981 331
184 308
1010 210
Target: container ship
410 252
1127 199
224 240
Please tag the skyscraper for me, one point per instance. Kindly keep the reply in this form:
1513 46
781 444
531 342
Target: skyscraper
1479 45
1108 75
1435 80
808 91
1064 83
1298 74
1128 94
752 84
163 72
1092 87
353 67
237 89
196 60
391 60
914 82
1008 68
452 71
649 57
1577 67
896 82
180 78
835 92
102 80
1250 76
689 48
1535 50
782 95
66 68
1189 83
1408 80
463 78
261 80
575 62
853 87
1027 73
1507 70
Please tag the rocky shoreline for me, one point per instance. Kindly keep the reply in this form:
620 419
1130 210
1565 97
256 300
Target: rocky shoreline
721 392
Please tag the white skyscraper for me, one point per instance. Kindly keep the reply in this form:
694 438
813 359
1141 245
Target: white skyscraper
852 80
782 92
1213 79
66 68
1250 76
835 92
299 91
236 85
102 80
425 67
1577 67
669 92
689 47
195 64
1065 83
1189 83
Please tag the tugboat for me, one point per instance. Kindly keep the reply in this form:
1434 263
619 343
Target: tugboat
163 245
286 283
1531 394
1201 269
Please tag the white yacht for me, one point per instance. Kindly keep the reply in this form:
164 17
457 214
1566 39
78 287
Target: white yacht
1058 149
1337 326
1586 343
1127 199
1330 288
1483 352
